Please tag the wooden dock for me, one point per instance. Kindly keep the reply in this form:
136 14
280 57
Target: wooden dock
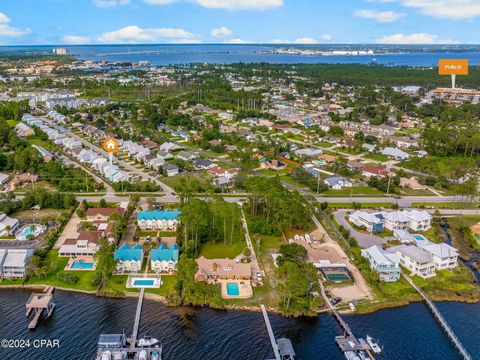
38 303
136 323
270 332
441 320
347 341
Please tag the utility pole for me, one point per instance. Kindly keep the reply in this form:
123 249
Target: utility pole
388 186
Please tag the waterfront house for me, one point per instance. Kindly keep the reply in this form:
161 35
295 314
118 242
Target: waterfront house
8 225
86 244
14 262
212 270
371 222
337 182
444 255
164 259
417 260
129 258
383 262
158 219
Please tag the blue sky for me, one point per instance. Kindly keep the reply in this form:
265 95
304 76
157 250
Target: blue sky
236 21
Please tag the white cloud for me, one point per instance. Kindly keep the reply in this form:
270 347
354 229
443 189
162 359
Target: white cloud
225 4
75 39
136 34
304 40
446 9
7 31
108 4
220 32
238 41
379 16
414 39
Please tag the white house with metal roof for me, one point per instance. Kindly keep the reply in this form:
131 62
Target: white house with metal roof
415 259
385 263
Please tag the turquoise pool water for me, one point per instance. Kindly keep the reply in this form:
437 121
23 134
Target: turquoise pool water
143 282
232 289
78 264
419 237
26 232
338 277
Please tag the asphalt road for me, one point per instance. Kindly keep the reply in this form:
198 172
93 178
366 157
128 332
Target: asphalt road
123 163
364 240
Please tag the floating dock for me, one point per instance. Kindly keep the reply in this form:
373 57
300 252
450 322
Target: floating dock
38 303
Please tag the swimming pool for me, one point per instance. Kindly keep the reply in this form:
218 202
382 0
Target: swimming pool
80 264
29 231
143 282
232 289
419 237
337 277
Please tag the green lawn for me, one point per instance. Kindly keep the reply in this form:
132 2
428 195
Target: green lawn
117 283
354 190
12 123
55 264
450 284
446 205
377 157
43 143
220 251
363 205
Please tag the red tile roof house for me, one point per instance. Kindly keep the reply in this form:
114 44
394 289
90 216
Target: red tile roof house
103 213
378 171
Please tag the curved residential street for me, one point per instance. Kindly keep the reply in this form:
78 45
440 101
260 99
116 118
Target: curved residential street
364 240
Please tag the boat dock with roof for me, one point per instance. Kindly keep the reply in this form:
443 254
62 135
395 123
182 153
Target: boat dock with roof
38 303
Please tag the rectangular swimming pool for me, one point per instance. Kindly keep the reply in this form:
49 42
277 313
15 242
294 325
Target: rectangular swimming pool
77 264
338 277
232 289
143 282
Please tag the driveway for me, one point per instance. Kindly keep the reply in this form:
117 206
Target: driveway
69 232
364 240
359 290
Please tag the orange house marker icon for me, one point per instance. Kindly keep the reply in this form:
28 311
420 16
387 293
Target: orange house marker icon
110 144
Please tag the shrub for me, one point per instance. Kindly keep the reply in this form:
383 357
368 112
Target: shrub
67 277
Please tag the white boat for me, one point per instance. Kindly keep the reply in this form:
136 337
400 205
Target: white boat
147 341
106 355
352 307
155 355
375 347
142 355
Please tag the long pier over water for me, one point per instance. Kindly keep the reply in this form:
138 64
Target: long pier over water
441 320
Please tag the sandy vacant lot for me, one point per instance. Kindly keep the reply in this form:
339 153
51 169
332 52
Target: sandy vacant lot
330 250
